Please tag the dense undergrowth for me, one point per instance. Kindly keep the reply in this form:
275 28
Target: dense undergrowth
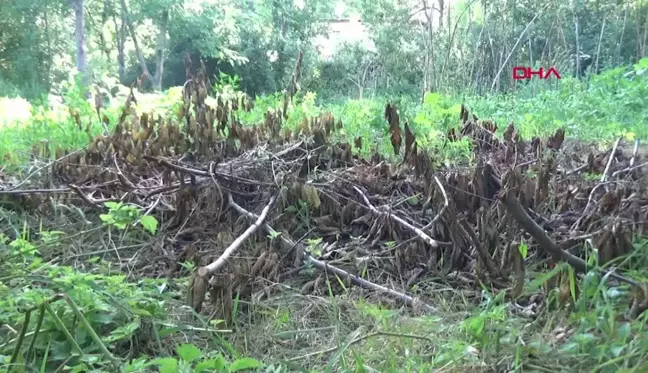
608 105
92 317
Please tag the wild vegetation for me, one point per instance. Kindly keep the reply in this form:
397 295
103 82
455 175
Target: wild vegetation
202 186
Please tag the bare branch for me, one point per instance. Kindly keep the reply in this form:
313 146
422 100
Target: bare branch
209 270
432 242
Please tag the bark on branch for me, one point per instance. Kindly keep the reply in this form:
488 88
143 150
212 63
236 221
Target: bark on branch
210 269
514 207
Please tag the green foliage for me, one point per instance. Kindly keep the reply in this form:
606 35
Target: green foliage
89 321
227 85
120 215
94 312
399 53
190 359
611 104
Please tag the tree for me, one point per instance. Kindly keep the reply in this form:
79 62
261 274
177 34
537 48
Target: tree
163 22
79 37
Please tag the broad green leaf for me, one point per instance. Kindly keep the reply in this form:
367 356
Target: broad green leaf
167 364
290 208
432 98
141 312
188 352
455 109
524 249
217 364
413 200
149 223
168 331
113 205
572 283
245 363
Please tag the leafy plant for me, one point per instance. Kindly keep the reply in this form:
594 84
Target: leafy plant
190 359
120 215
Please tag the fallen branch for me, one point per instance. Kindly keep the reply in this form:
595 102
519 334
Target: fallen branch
409 300
513 206
360 339
630 168
202 173
323 266
607 167
14 191
634 153
445 205
432 242
210 269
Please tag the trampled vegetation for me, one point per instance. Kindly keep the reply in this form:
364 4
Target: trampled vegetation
233 210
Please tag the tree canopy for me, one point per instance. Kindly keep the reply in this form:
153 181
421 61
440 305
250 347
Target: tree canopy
417 46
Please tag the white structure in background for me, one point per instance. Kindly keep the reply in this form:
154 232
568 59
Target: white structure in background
343 30
350 29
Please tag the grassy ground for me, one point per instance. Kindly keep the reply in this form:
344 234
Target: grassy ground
342 330
333 328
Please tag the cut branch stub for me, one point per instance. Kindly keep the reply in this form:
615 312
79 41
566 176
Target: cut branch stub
409 142
391 114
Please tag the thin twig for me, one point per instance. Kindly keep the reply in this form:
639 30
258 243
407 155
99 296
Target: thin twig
42 168
432 242
607 167
88 197
121 175
631 168
488 261
445 205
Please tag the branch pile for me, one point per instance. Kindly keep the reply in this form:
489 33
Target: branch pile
258 205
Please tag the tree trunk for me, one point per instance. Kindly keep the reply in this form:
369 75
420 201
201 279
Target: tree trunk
131 30
645 37
578 51
159 52
79 34
48 66
120 36
102 38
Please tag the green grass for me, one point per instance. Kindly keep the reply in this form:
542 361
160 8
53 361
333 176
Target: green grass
108 313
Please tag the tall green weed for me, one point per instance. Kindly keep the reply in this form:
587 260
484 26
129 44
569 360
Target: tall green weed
611 104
